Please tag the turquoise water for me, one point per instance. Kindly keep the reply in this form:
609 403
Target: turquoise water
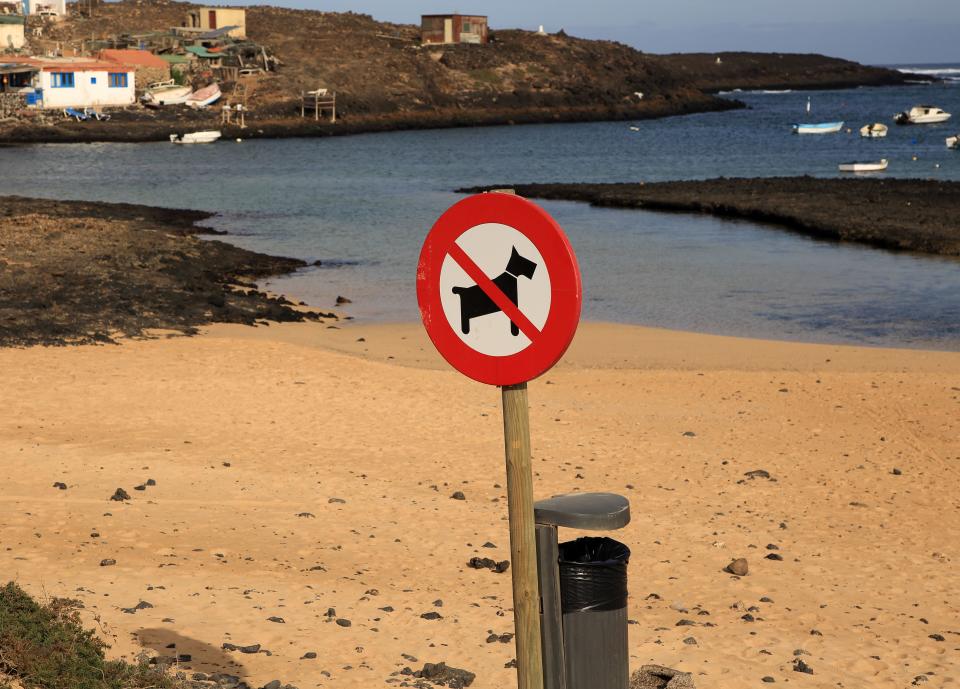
363 205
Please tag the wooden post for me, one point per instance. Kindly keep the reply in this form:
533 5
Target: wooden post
523 549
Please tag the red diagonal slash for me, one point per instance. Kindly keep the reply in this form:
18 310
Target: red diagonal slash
495 293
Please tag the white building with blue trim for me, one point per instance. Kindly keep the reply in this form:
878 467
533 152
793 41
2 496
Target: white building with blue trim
57 83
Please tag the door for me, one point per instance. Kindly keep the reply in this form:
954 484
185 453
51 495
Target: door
448 31
213 19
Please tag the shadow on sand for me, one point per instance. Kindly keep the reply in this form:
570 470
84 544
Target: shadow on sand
202 656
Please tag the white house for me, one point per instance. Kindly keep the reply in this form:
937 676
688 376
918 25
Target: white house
45 7
78 82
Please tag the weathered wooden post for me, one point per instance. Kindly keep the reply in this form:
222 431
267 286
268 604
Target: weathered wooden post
477 246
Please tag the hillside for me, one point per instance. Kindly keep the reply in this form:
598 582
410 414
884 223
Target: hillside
385 80
775 71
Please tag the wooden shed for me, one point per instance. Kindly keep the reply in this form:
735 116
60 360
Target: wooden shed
453 28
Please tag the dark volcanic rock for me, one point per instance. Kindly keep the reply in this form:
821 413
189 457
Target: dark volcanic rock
82 272
487 563
120 495
898 214
444 675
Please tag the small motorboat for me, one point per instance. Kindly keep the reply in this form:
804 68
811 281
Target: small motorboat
953 142
921 114
819 128
878 166
207 137
201 98
167 93
873 131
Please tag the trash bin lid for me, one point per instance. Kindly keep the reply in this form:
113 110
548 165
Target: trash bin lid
594 511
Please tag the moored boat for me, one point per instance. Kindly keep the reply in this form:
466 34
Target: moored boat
922 114
201 98
873 131
206 137
877 166
818 128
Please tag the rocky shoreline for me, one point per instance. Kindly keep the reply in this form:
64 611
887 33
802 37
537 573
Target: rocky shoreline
895 214
138 127
75 272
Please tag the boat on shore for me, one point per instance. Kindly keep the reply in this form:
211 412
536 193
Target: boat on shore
165 93
201 98
953 142
818 128
873 131
922 114
205 137
878 166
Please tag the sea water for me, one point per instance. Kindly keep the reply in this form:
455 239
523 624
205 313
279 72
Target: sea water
363 204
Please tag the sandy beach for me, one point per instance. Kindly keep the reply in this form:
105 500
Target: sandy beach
302 477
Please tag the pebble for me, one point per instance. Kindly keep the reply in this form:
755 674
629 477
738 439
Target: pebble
340 501
343 622
738 567
60 485
278 620
800 666
757 473
108 562
690 641
432 615
458 495
309 655
775 556
768 679
343 300
896 472
119 495
487 563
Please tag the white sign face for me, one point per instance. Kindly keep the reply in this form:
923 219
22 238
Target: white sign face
517 270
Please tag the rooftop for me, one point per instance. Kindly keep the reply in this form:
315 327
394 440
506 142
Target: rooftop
138 58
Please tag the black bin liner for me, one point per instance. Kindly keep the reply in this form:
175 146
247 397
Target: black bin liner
593 574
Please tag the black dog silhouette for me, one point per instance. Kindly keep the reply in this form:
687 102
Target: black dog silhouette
475 302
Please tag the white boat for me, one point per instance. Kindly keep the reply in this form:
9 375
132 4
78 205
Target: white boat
922 114
819 128
953 141
201 98
207 137
878 166
873 131
166 95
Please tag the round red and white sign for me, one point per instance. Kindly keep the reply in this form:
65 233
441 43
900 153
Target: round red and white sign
499 289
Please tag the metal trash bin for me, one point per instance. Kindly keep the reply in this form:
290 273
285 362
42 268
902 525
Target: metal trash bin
583 591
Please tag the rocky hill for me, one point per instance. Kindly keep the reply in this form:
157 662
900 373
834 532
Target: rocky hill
384 78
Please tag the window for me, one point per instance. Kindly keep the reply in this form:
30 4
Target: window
61 80
93 80
118 80
467 27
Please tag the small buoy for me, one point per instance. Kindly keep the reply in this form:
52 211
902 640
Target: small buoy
239 140
914 157
936 165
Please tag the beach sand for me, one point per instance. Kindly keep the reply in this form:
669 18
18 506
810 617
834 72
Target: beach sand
298 469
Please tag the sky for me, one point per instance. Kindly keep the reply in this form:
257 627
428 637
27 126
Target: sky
870 31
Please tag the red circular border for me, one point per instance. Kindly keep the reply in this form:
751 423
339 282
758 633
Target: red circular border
565 288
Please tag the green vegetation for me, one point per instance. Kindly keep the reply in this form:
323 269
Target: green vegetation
46 647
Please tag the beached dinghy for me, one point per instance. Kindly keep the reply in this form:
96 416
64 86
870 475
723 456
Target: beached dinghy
201 98
819 128
873 131
922 114
167 93
953 142
878 166
207 137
